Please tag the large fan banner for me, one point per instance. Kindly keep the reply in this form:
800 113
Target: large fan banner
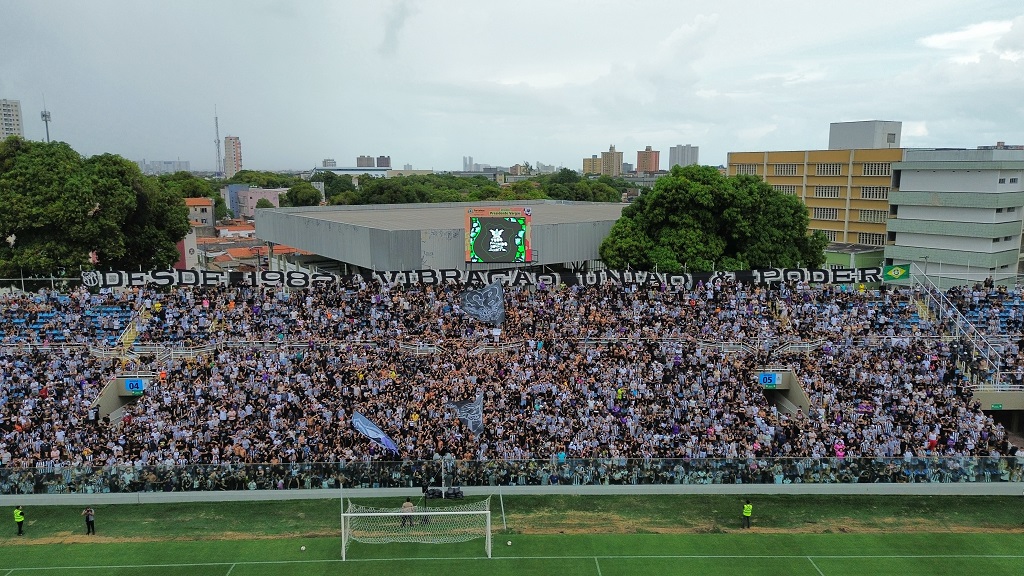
506 277
486 304
471 412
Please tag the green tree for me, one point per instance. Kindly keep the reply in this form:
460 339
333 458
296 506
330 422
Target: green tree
697 219
264 203
338 185
189 186
56 208
152 232
263 179
564 176
302 194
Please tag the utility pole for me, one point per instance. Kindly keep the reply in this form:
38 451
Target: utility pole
218 165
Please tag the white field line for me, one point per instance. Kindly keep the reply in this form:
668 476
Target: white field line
598 564
820 573
451 559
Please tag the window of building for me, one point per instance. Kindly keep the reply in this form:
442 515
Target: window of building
1002 180
746 168
890 138
203 221
784 169
999 210
996 240
877 169
789 189
202 210
1013 180
871 239
830 234
874 192
1007 238
828 170
874 216
1011 209
826 214
826 191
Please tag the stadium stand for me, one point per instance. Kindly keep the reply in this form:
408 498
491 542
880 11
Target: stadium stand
585 385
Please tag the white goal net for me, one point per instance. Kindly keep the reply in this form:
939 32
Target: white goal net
425 525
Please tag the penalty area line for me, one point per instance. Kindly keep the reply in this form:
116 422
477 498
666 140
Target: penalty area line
11 570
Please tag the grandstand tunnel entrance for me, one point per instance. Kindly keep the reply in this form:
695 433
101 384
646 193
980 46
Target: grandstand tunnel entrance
782 389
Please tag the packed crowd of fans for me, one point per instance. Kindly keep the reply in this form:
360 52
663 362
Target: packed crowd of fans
606 384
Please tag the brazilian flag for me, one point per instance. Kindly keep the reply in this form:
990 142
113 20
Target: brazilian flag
894 273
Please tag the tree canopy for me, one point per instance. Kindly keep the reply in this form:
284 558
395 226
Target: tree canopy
189 186
59 210
301 194
263 179
565 185
338 188
697 219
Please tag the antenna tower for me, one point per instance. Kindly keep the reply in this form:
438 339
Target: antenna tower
219 165
45 117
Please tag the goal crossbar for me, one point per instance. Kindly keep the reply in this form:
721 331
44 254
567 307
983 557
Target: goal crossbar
420 525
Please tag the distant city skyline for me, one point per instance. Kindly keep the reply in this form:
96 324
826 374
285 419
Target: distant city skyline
434 85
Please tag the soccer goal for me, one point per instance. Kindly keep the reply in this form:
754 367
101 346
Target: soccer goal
424 525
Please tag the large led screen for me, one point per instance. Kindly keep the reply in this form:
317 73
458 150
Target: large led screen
498 234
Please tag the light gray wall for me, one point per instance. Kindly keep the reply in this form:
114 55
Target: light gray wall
866 134
377 249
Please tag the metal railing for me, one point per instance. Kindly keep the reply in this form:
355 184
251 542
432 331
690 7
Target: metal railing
358 474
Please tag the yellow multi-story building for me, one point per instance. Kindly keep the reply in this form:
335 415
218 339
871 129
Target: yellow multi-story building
611 162
592 165
846 191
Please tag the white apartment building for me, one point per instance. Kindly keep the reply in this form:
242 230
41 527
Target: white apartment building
232 156
10 119
956 215
683 155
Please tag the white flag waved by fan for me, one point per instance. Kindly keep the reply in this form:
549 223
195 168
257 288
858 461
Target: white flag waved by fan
471 412
486 304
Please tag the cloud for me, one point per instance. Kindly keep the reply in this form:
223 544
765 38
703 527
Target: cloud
1011 45
969 42
915 128
756 132
397 14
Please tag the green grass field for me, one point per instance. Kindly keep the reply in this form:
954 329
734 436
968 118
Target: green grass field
551 535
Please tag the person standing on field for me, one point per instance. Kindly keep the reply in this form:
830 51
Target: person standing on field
90 521
19 519
748 509
407 509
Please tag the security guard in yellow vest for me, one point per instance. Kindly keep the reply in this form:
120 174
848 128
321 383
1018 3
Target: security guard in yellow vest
748 509
19 519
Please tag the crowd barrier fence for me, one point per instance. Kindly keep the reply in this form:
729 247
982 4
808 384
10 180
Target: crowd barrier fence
133 478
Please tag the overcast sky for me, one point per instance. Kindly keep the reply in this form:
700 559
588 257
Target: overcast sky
428 82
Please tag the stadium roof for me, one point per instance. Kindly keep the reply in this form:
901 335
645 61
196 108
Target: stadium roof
417 236
848 248
450 215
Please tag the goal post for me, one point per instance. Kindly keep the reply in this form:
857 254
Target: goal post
423 525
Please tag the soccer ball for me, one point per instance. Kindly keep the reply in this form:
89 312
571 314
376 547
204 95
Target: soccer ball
509 543
303 548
